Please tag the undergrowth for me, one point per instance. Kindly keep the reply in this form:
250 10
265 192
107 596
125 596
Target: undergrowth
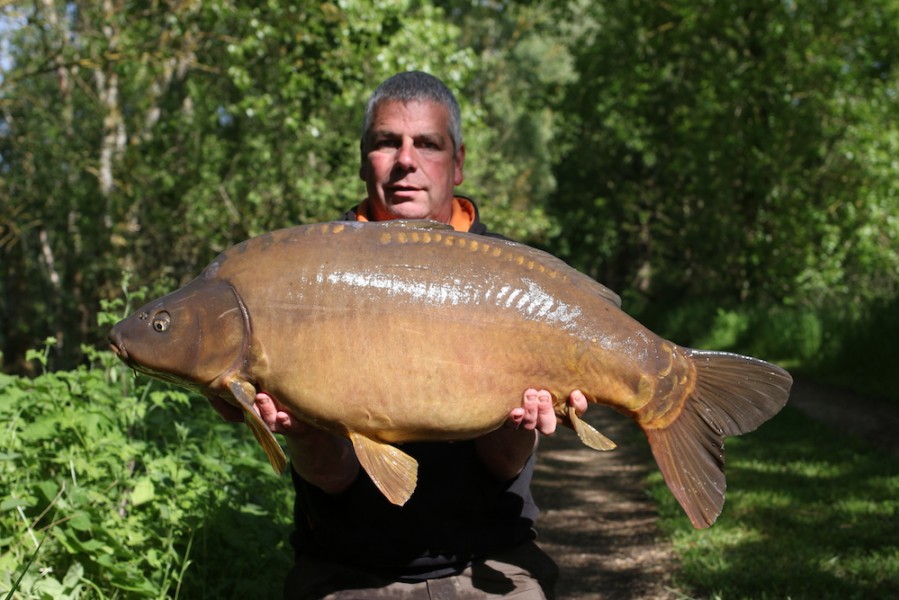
854 351
112 490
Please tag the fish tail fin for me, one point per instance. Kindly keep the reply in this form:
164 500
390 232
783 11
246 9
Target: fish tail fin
733 395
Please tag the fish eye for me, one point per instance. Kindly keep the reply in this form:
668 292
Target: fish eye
161 321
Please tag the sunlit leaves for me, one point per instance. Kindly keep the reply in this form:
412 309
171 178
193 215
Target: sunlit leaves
124 488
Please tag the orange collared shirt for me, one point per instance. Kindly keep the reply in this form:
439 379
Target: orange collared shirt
461 219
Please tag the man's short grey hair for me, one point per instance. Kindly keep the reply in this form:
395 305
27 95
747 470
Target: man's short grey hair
415 86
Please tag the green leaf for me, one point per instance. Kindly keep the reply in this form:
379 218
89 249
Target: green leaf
80 522
42 428
73 575
143 492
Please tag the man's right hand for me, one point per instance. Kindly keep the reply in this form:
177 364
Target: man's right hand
325 460
278 419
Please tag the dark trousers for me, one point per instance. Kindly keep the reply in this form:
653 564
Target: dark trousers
523 573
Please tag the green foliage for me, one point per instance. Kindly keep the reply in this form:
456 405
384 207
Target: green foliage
809 514
733 151
109 491
729 151
859 351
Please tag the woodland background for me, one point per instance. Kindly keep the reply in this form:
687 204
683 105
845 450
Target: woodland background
730 168
735 153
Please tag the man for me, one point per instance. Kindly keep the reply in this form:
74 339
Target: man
467 530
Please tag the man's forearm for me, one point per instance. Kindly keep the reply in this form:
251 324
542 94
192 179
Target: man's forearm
505 451
324 460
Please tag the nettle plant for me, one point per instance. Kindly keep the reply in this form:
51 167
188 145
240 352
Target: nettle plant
112 486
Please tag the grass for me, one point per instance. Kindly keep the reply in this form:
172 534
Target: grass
809 514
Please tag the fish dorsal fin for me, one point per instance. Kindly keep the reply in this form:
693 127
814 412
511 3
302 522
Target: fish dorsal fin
245 394
427 224
588 434
392 471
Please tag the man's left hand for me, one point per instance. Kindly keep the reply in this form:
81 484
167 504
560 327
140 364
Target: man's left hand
537 412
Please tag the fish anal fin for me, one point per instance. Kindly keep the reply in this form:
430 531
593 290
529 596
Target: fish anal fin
733 394
393 472
589 434
245 394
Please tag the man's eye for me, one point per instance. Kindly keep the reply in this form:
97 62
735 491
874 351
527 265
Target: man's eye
427 144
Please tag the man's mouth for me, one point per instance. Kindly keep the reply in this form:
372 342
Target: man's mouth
401 191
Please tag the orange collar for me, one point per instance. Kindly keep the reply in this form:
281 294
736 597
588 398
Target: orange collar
461 219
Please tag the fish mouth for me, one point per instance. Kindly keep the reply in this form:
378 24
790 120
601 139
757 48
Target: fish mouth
117 345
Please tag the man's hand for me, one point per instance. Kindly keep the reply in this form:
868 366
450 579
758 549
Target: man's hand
278 419
537 413
323 459
505 451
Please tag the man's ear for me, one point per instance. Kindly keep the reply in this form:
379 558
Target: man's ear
459 161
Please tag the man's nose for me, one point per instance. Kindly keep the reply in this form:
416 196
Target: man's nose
406 157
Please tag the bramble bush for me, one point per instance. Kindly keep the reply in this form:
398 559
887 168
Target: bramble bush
114 489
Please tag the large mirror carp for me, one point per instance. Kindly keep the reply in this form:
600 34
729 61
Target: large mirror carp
406 331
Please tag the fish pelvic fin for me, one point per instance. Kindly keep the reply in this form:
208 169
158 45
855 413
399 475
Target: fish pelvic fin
393 472
245 394
589 435
733 395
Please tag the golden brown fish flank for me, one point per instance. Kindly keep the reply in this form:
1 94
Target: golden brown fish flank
401 331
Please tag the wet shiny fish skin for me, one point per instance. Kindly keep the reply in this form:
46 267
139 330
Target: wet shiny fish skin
409 331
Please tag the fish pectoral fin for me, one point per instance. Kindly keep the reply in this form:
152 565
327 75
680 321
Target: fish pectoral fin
588 434
392 471
245 394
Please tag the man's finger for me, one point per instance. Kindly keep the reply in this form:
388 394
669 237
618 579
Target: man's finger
546 415
578 400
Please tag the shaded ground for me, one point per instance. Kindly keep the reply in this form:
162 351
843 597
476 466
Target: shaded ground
870 419
596 519
598 523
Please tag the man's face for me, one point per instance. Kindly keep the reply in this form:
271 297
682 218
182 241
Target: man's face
408 164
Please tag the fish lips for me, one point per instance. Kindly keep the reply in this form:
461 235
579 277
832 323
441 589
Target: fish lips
117 345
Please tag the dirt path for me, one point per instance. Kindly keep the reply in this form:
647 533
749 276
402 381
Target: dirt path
596 520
